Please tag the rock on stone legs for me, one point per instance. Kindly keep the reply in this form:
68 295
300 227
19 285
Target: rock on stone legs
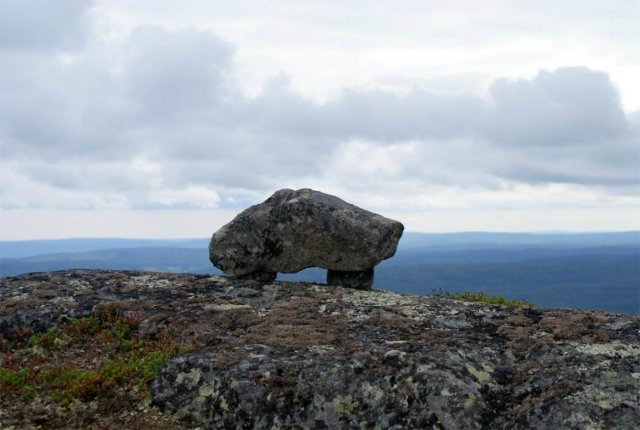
296 229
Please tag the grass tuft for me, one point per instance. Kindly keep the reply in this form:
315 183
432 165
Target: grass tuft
482 297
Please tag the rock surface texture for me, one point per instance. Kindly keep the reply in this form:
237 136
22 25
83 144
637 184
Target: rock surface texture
296 355
294 230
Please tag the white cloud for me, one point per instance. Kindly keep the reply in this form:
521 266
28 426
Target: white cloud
191 196
333 45
119 108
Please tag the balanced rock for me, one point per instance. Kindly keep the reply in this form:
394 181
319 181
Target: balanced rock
294 230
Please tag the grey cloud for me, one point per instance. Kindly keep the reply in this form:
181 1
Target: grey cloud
373 114
176 71
609 162
565 126
40 25
384 116
107 102
572 105
167 99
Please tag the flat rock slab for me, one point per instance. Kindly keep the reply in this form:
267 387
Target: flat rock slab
299 355
294 230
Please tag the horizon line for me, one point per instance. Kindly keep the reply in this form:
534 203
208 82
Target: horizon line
462 232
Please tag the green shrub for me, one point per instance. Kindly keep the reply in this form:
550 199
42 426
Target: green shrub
84 326
48 339
16 380
124 365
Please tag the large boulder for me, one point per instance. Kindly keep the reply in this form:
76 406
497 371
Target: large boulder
293 230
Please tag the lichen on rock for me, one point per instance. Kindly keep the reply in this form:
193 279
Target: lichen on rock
287 355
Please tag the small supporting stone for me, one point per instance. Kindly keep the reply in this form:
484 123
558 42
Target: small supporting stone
260 276
360 280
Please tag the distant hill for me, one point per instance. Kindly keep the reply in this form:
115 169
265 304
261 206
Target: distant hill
30 248
479 240
161 259
588 271
410 240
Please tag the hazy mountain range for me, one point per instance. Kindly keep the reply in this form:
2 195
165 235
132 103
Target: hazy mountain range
589 271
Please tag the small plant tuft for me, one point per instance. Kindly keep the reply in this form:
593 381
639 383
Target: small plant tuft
16 381
85 326
48 339
482 297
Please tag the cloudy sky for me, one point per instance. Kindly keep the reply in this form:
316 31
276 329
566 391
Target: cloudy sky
165 118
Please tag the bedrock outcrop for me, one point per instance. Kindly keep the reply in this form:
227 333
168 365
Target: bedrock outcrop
298 355
294 230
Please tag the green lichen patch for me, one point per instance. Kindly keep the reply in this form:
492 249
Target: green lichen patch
346 405
610 349
480 375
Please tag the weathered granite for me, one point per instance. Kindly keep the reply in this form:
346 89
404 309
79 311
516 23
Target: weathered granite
294 230
287 355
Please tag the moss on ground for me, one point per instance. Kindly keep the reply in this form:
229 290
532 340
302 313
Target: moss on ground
102 360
